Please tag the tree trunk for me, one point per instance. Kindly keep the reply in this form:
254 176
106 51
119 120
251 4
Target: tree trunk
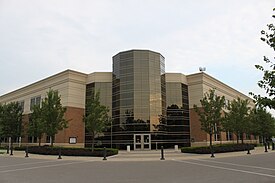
242 137
211 139
52 140
237 138
93 142
211 146
39 141
11 148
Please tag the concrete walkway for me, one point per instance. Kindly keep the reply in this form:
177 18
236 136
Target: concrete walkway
153 155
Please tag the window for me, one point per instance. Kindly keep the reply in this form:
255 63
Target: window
48 139
248 137
229 136
35 101
217 135
32 139
21 105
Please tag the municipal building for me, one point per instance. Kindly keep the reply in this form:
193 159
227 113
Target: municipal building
149 107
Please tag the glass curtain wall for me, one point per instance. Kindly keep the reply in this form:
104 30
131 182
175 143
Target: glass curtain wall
138 94
178 126
105 89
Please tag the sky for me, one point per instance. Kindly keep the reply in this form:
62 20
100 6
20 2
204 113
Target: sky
40 38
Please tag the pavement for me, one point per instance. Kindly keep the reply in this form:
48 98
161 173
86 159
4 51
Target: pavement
141 166
152 155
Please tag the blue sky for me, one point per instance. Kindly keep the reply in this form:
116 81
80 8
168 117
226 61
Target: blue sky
39 38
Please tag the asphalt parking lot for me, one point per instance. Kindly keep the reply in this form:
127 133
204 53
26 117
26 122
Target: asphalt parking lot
255 168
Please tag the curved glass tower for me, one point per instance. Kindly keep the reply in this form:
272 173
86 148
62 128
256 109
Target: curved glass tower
138 96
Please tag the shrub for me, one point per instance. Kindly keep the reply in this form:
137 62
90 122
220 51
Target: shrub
22 148
98 152
221 148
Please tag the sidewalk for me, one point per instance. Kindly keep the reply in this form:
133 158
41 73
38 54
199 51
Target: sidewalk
170 154
153 155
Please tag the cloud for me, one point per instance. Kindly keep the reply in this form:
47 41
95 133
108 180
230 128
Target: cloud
40 38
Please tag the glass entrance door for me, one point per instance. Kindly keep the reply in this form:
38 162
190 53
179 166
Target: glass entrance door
142 141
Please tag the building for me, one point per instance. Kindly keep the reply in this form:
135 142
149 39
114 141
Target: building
149 107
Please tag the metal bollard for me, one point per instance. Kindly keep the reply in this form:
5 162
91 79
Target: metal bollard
11 154
27 152
265 147
59 153
162 154
104 154
212 152
248 149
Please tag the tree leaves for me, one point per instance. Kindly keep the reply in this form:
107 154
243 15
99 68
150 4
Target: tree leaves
96 118
211 112
11 120
268 81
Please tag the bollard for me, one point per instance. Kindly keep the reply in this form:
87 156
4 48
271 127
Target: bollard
59 153
128 149
176 148
212 152
248 149
27 152
162 154
265 147
11 154
104 154
273 146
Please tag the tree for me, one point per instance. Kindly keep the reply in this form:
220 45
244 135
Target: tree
268 81
1 116
236 120
263 124
96 118
36 125
53 114
210 113
11 120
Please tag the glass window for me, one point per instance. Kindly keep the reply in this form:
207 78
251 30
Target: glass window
35 101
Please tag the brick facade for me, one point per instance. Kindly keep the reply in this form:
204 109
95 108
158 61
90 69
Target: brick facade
76 128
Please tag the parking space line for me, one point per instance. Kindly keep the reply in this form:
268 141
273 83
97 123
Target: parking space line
224 168
226 163
44 166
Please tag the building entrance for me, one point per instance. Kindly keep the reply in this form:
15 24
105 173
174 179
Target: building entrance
142 141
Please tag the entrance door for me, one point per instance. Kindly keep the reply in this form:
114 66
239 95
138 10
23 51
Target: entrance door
142 141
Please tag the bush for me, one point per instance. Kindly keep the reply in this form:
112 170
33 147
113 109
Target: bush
98 152
221 148
22 148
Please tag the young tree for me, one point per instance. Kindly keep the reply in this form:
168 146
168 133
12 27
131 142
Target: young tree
53 114
36 126
96 118
268 81
11 120
210 113
263 124
1 117
236 120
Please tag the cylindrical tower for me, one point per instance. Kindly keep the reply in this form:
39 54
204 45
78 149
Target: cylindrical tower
138 94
